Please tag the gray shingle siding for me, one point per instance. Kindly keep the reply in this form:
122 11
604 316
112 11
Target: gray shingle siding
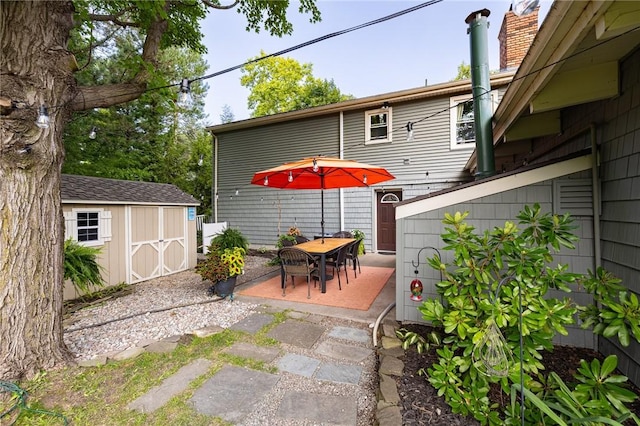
485 213
264 213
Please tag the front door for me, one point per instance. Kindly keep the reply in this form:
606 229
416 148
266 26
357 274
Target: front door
387 219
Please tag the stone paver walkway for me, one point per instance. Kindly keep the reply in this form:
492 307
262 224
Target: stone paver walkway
325 355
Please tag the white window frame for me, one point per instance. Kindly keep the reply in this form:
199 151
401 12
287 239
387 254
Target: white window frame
103 227
368 127
453 118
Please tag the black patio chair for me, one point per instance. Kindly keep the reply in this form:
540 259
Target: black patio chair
338 261
297 263
352 256
343 234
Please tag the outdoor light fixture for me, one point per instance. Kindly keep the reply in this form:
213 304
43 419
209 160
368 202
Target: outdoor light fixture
43 117
290 178
409 131
184 96
416 286
385 105
315 166
92 133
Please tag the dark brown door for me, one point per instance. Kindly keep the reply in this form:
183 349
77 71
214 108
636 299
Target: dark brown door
387 220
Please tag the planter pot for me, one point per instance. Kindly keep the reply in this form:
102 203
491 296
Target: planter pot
223 288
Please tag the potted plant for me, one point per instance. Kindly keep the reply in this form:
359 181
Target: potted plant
224 262
359 235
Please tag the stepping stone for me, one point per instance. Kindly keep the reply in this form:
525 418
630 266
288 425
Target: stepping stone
232 393
339 373
128 354
161 347
297 333
341 351
170 387
319 409
298 364
253 323
349 333
247 350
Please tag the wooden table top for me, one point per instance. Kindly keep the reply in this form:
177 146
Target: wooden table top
330 244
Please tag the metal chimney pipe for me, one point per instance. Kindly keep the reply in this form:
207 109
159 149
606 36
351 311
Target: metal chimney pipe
481 89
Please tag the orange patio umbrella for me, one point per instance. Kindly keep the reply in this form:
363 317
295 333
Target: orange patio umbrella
321 173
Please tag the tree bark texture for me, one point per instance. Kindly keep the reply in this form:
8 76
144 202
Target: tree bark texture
35 69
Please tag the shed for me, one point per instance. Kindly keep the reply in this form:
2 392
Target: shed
145 230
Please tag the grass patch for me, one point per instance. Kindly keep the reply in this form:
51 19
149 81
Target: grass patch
100 395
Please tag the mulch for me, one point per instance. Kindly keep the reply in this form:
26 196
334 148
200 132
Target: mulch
420 404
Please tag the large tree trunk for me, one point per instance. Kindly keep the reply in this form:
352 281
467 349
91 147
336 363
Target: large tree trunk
35 69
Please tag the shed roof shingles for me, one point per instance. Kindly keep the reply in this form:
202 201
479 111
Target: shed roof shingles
88 188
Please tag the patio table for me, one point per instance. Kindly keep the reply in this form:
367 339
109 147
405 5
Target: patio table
320 248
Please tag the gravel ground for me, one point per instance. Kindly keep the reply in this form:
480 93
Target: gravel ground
87 338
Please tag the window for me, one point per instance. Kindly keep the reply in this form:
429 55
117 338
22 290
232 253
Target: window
463 130
90 227
378 126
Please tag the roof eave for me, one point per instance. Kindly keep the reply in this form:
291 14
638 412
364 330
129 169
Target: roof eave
449 88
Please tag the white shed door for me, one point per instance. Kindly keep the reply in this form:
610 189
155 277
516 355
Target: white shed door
157 241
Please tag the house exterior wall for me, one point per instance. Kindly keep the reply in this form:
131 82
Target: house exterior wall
424 230
618 137
420 166
615 124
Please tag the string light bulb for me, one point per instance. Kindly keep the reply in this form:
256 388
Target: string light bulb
237 192
266 181
43 117
315 166
184 96
364 179
290 178
409 131
92 133
200 160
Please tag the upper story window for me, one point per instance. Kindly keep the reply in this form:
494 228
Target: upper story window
378 125
90 227
463 129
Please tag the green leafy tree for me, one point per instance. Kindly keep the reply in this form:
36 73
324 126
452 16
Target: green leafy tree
280 84
227 115
39 68
464 72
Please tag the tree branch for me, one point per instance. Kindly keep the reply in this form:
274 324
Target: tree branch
218 6
103 96
114 19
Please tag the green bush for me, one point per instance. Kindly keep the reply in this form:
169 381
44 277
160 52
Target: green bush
492 277
81 266
229 239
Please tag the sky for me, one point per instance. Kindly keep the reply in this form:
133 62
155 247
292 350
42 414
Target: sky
426 45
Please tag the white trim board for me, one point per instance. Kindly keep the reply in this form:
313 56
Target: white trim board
495 186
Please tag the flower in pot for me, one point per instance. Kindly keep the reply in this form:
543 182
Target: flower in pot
221 267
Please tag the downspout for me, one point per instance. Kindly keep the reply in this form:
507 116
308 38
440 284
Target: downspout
481 90
341 137
595 184
214 171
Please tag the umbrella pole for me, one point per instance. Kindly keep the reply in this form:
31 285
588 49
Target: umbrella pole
322 213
